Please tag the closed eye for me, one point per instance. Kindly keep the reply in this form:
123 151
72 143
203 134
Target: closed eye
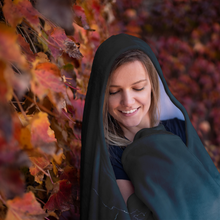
139 89
113 93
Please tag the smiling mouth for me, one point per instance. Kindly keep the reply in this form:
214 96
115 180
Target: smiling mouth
131 111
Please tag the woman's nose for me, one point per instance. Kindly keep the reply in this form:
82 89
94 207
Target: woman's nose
127 99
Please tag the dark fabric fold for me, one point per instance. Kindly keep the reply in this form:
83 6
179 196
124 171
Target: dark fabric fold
169 179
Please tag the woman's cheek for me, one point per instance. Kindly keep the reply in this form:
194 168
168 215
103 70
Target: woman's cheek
112 101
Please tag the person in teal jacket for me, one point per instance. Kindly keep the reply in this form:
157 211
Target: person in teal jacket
141 157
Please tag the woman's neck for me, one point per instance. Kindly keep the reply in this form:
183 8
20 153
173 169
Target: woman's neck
130 132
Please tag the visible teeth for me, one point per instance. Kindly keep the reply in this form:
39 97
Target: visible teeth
129 112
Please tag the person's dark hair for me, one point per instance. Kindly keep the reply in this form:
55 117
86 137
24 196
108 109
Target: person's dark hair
113 132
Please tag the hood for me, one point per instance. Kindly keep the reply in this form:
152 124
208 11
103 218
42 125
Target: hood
100 195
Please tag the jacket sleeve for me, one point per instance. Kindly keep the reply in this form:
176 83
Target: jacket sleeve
137 209
170 180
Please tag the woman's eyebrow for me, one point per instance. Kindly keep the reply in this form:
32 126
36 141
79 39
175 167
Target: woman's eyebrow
132 83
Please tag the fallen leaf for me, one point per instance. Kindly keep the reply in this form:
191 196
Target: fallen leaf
25 208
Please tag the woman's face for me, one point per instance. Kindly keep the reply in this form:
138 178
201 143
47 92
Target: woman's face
130 95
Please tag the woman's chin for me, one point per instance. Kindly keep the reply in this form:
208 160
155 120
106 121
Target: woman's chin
128 125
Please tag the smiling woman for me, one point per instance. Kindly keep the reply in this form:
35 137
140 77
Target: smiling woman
141 157
131 97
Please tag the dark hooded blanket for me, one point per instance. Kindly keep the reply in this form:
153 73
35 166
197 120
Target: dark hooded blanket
172 181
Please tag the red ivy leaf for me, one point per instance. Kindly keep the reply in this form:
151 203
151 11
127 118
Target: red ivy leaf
70 173
61 197
15 11
78 105
11 182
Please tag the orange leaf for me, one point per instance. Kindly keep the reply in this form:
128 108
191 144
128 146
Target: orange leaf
15 11
40 164
47 79
61 198
9 49
25 208
25 139
42 135
37 138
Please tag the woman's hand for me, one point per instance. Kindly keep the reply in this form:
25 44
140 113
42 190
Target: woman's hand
126 188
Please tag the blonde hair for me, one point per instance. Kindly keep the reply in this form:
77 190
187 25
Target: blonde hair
113 133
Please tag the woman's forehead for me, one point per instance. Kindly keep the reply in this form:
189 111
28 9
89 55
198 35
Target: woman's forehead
131 72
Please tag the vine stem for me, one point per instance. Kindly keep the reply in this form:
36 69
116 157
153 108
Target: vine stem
18 71
40 200
63 111
42 190
31 42
40 168
3 201
70 86
50 177
20 107
41 106
49 42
